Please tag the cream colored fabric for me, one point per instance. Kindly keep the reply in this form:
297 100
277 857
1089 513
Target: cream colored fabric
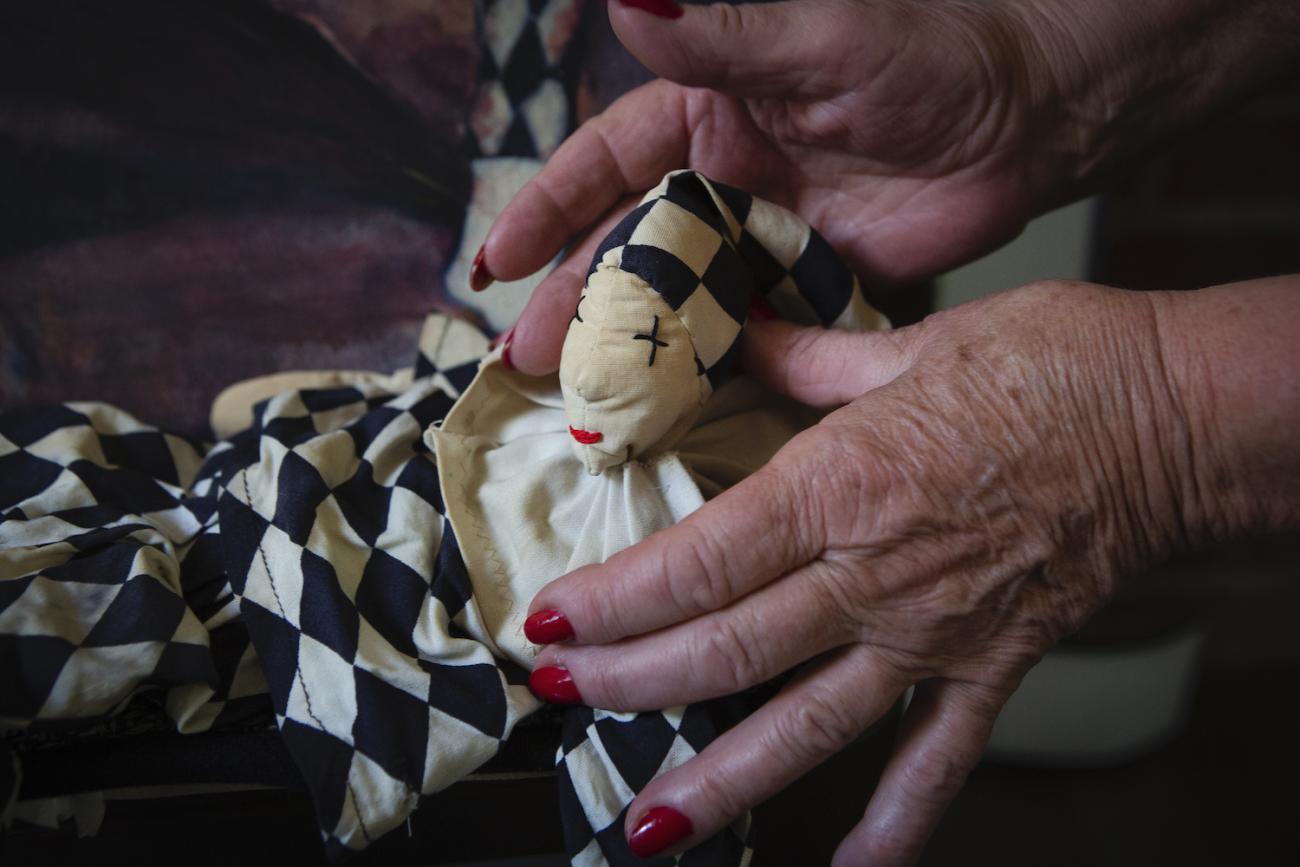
450 341
611 390
526 510
232 411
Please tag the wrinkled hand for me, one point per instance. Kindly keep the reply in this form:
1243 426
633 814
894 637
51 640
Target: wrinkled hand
908 133
987 476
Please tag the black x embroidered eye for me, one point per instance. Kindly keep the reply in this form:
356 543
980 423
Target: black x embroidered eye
576 308
653 337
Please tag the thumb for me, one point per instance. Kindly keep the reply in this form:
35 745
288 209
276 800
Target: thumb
751 49
821 367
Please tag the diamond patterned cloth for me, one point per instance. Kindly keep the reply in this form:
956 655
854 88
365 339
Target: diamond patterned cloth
111 577
529 67
306 560
707 248
605 758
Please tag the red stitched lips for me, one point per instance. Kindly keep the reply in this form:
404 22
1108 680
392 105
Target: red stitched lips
585 437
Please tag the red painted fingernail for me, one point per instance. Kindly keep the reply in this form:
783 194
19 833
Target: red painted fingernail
760 310
658 829
505 353
479 276
554 685
662 8
547 627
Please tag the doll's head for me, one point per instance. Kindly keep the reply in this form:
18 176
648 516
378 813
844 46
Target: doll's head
658 324
628 371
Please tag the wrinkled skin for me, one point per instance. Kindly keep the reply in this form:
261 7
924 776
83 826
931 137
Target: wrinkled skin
917 170
914 136
985 478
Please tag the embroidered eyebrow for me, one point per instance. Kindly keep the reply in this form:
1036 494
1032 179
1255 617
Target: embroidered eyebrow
653 338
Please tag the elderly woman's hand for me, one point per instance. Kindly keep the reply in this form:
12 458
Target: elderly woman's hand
898 129
986 478
913 135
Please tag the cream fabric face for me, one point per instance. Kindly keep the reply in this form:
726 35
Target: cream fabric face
628 372
526 510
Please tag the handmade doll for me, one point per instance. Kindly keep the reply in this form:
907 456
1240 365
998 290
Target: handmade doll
658 323
643 398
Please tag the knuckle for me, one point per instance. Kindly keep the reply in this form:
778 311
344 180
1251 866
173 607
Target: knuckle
588 612
719 792
606 612
791 483
831 480
736 658
603 685
699 582
817 728
846 596
731 22
816 364
935 776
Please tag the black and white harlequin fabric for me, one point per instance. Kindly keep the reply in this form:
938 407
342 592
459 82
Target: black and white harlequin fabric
111 574
305 561
710 249
528 72
605 758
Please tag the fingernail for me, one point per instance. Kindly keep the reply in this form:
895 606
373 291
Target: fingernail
662 8
547 627
658 829
479 276
761 310
554 685
505 353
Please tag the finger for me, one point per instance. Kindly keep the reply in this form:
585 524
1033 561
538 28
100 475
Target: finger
768 632
944 732
772 49
811 719
739 541
540 330
626 149
824 367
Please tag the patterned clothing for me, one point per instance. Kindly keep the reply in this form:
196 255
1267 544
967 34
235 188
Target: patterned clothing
307 561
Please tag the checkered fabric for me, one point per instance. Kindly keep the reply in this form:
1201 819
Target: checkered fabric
111 579
131 558
354 589
707 248
605 758
528 74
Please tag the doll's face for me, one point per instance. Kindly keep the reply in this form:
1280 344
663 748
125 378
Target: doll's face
627 371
